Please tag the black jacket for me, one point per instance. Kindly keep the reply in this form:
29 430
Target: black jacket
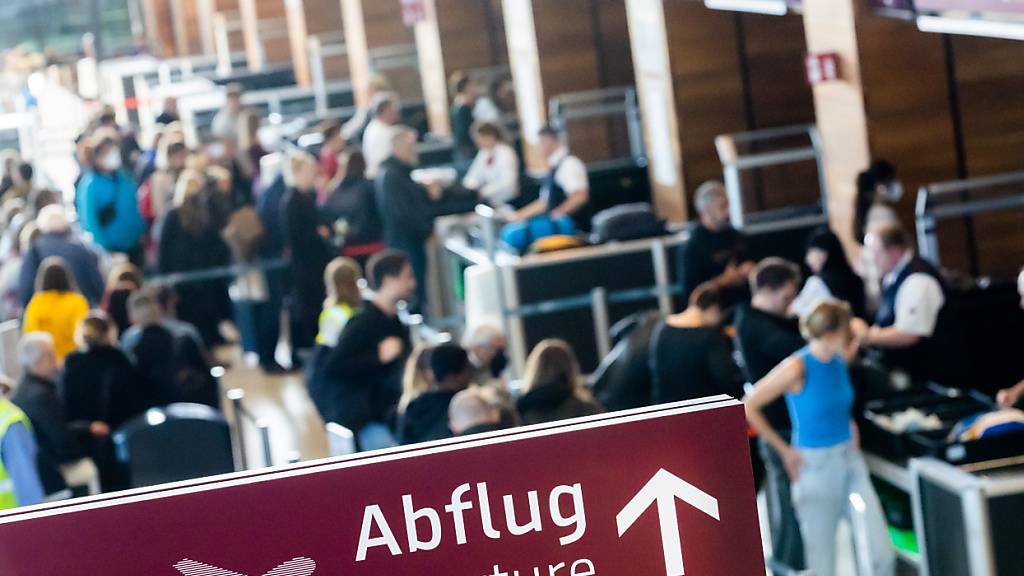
765 340
690 363
553 403
405 207
426 418
306 249
81 260
706 255
359 388
101 385
56 442
353 200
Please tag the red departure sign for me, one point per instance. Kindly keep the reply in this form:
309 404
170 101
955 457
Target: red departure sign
664 491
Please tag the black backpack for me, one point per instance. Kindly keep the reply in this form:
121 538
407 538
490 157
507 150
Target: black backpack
626 222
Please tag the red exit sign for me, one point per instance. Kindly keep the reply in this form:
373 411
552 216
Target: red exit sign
822 68
662 491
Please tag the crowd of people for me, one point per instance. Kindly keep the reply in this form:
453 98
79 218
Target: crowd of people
123 299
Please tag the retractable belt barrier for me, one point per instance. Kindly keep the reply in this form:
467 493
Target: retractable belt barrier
218 273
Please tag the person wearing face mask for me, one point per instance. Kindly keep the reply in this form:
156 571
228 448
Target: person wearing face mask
878 192
107 201
823 459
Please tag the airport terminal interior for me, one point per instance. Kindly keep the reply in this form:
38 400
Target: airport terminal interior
753 267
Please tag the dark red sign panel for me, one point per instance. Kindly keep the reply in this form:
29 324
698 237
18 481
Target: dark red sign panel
661 491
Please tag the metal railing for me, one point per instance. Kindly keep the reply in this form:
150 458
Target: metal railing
597 104
734 163
240 416
960 199
320 48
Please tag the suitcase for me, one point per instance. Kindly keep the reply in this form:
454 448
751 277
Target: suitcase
626 222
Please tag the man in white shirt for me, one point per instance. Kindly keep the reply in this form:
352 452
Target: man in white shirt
494 173
380 132
565 190
913 295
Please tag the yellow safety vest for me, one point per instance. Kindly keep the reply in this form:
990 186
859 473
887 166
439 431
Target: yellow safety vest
9 415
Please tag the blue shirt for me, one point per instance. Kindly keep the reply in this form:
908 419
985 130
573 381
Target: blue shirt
116 195
821 411
18 452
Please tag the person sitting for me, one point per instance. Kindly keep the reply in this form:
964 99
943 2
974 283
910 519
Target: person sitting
494 173
37 396
766 336
426 417
564 192
55 239
100 387
19 478
341 278
716 252
406 208
913 296
473 411
351 209
363 372
823 460
552 386
832 276
1010 397
380 131
690 354
57 306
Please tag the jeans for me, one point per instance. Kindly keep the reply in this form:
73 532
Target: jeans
787 544
376 436
833 484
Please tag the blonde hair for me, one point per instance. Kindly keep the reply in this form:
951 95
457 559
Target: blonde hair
294 162
191 209
416 377
124 272
829 317
341 277
553 363
189 185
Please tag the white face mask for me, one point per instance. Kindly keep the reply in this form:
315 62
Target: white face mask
112 161
893 192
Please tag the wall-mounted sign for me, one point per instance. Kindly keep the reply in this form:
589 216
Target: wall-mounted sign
413 12
666 491
822 68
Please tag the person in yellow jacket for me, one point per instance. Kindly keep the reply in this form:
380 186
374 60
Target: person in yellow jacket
19 479
56 307
341 278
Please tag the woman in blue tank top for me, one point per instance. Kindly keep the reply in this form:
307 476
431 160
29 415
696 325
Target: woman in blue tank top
829 477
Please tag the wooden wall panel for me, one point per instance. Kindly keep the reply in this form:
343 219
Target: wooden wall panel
990 78
385 27
159 27
472 34
263 23
777 94
708 85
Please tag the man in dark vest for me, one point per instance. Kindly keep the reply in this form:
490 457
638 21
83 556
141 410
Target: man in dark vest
563 192
913 295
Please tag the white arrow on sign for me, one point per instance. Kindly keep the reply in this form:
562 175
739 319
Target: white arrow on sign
663 489
293 567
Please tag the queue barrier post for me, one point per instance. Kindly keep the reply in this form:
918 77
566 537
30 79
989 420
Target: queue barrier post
599 307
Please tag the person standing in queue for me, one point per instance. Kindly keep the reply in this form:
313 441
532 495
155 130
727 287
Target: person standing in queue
716 252
565 190
306 249
766 336
107 200
364 370
830 479
407 208
690 355
380 132
913 295
19 480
